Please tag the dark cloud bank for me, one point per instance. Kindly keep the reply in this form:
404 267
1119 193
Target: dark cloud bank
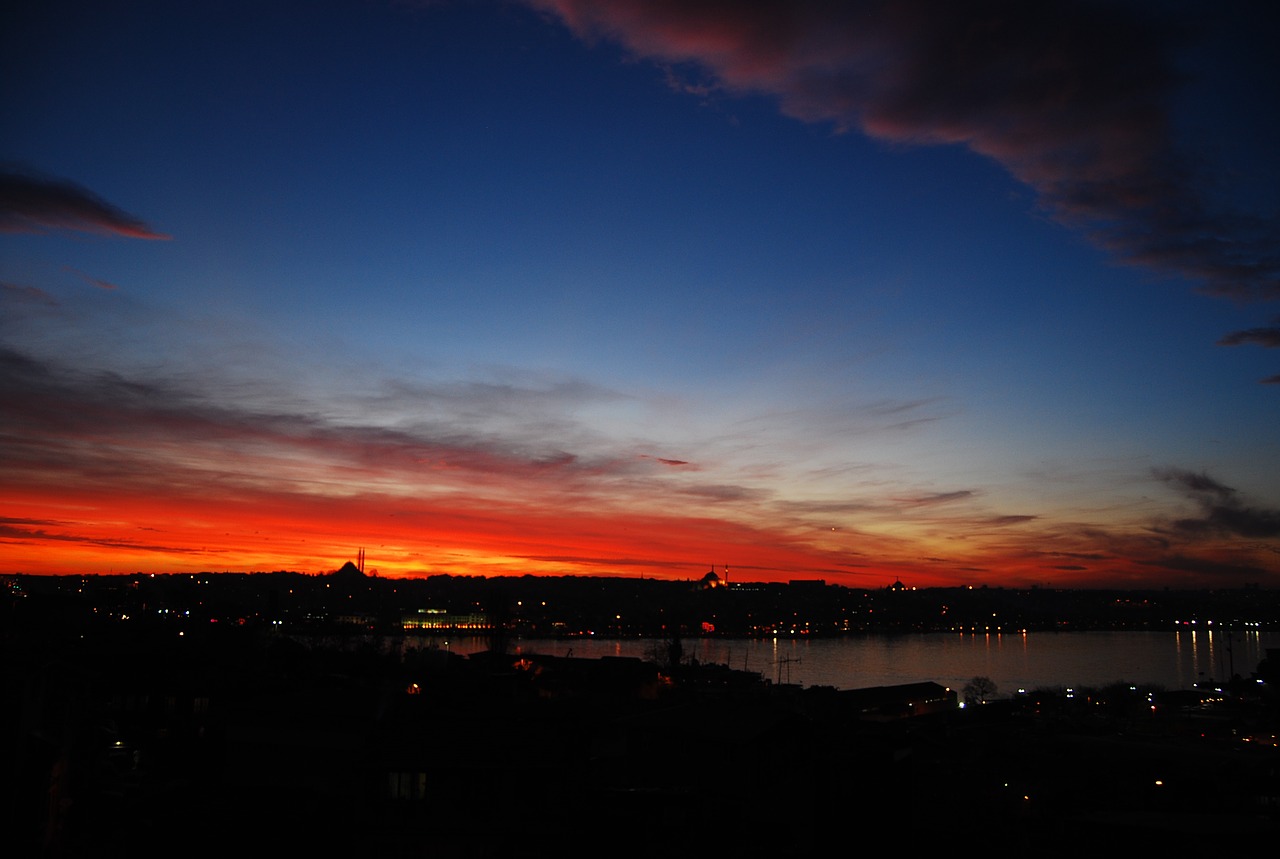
1222 512
1075 99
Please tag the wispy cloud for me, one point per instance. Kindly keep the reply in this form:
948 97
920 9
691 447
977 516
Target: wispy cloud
672 463
1073 98
1209 569
29 295
90 279
13 534
35 204
92 455
1268 337
115 452
64 419
725 492
91 458
1222 512
938 498
1010 519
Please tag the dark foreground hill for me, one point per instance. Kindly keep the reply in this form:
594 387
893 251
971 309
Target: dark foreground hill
134 741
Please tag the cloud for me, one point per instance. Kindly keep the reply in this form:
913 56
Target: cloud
1211 568
725 492
683 464
938 498
828 507
12 520
90 279
12 534
611 563
30 204
1268 337
1073 98
1222 513
1197 484
1011 519
105 428
26 295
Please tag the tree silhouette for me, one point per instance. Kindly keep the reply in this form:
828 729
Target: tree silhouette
978 690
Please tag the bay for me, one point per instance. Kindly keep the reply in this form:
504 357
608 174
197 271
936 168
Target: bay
1014 661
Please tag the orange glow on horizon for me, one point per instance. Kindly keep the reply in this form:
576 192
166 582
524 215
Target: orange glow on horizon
93 532
137 496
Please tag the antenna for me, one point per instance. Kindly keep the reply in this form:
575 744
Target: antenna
785 660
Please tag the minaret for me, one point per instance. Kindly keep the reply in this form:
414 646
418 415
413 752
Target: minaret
360 561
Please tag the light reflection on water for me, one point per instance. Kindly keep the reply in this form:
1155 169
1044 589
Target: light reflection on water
1173 660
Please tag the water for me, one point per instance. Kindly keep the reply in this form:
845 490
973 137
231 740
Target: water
1172 660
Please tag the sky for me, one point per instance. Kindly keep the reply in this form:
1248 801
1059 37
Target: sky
954 294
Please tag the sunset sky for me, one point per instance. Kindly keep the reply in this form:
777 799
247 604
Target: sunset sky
956 293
